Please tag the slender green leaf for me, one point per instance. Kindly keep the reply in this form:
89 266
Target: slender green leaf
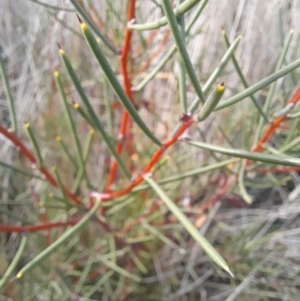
65 149
172 49
113 81
283 160
294 115
138 262
87 19
260 85
245 195
178 11
211 102
270 94
193 231
108 108
35 144
223 63
84 275
8 273
118 269
69 10
182 71
21 171
92 114
242 77
84 115
180 45
86 153
213 77
10 102
61 240
71 125
98 284
162 237
188 174
60 185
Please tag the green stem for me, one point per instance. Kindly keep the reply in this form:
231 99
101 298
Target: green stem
189 174
60 241
35 144
180 45
179 11
21 171
172 49
242 77
65 149
282 160
87 19
86 153
71 125
14 262
93 115
213 77
190 228
182 71
260 85
10 102
211 102
272 86
245 195
113 81
69 10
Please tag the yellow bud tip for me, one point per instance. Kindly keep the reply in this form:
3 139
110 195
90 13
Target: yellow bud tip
53 168
61 52
83 26
76 105
50 195
221 87
56 74
41 204
58 138
91 132
27 125
19 275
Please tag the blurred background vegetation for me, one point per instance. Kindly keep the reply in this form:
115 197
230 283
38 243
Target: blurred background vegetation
158 261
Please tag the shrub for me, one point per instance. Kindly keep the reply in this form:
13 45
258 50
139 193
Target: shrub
125 216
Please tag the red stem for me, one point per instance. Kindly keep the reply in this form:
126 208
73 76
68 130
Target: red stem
295 97
38 227
127 87
279 169
27 154
268 133
155 158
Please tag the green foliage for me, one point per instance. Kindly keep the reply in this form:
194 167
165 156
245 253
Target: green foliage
100 210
